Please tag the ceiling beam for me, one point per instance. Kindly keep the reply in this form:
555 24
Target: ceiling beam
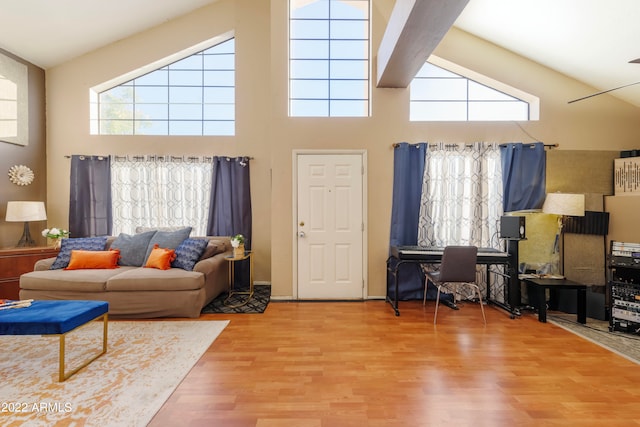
414 30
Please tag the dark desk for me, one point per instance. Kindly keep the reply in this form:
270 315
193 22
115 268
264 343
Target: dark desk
541 284
432 255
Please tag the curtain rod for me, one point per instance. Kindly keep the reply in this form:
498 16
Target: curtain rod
152 156
532 143
396 144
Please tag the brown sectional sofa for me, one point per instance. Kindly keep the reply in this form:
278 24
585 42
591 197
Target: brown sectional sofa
137 292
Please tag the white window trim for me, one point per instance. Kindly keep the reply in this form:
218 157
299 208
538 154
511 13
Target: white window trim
138 72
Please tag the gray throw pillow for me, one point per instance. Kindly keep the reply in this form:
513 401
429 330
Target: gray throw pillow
167 239
133 248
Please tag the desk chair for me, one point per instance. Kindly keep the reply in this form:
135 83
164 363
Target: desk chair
458 266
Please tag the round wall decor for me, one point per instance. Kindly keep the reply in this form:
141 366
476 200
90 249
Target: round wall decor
20 175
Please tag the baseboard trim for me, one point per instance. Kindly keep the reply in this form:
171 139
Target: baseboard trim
290 298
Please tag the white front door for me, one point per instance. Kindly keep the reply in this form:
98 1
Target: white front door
330 226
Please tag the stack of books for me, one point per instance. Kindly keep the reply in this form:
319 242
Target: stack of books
6 304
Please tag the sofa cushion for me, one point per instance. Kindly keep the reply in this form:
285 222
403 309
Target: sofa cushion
188 253
168 239
69 280
214 247
133 248
151 279
160 258
78 243
81 260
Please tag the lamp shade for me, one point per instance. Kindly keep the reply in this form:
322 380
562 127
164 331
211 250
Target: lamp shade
564 204
25 211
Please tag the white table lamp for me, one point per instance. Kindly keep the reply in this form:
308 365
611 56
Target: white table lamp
563 204
25 212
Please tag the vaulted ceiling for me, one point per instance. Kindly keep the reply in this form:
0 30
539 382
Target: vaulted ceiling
590 40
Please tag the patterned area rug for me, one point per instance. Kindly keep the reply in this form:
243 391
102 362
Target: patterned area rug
257 304
597 331
144 363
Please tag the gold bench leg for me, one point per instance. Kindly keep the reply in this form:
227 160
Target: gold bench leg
64 376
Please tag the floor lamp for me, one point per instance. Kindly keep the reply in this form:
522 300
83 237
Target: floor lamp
25 212
563 205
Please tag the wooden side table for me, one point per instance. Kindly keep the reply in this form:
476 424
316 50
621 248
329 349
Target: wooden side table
17 261
232 292
541 284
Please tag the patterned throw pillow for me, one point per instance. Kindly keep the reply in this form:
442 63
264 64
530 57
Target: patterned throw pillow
188 253
78 243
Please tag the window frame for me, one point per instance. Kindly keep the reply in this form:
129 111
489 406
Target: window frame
328 83
474 78
128 80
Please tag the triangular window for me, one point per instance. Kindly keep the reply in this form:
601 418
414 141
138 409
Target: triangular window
193 95
437 94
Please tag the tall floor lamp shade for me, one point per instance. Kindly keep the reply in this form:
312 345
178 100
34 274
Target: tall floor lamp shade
25 212
563 204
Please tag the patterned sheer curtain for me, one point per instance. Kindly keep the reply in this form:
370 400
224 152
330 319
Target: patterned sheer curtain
461 200
462 194
161 191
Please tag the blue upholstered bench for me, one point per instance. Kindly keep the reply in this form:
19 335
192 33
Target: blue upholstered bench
56 318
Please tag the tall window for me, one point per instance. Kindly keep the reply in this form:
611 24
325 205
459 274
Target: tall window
437 94
192 96
329 58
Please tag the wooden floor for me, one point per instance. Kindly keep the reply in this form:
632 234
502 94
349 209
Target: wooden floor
357 364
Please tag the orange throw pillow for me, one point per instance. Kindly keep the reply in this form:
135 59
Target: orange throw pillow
160 258
93 259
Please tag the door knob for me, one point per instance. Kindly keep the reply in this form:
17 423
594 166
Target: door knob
301 234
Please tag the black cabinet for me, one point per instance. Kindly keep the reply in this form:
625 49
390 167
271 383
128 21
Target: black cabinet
624 287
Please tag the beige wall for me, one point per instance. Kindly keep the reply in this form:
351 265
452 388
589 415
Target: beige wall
265 132
32 155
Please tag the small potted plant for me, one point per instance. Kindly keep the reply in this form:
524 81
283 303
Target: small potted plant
56 234
237 242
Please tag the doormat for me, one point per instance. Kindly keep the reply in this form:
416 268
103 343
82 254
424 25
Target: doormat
257 304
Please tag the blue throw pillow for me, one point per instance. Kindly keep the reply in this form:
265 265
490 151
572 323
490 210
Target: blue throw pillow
188 253
167 239
133 248
78 243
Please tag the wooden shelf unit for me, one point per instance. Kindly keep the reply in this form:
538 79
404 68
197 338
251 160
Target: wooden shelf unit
16 261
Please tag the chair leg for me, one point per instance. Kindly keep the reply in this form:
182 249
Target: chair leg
435 314
481 305
424 296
